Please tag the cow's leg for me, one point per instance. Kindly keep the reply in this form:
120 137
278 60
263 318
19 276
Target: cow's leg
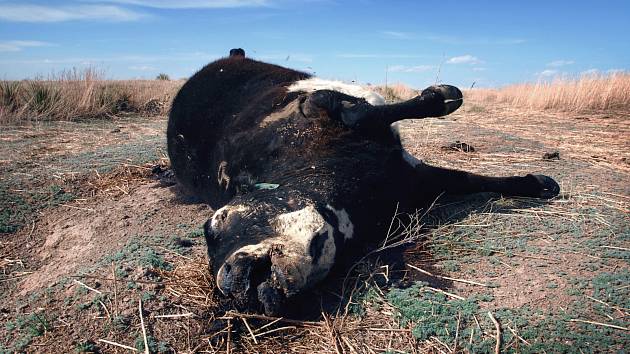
430 180
358 114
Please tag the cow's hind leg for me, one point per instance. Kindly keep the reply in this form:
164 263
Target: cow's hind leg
429 180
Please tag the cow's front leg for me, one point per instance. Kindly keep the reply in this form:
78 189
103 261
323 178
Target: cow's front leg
358 114
301 252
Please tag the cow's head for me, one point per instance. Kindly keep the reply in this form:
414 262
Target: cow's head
263 253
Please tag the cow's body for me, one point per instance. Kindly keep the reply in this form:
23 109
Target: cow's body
295 175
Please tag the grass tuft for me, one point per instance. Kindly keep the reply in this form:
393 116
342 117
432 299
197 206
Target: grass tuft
80 94
585 94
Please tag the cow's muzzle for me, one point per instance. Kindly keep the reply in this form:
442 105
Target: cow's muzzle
250 279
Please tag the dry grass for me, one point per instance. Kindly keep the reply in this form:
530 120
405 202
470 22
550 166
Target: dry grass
75 94
376 330
588 93
395 92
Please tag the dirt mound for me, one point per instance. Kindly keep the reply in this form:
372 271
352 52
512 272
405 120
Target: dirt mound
76 238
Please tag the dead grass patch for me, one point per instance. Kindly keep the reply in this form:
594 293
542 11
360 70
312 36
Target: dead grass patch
589 93
585 94
75 94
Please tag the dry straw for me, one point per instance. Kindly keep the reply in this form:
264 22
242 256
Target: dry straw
79 94
584 94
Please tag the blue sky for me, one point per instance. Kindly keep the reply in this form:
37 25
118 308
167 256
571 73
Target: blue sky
492 43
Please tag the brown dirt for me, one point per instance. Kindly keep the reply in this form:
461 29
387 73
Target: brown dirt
75 238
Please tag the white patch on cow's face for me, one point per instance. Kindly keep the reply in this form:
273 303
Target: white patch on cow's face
227 217
315 84
298 230
345 225
301 225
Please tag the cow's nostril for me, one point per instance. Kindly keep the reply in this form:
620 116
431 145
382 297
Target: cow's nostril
227 268
260 272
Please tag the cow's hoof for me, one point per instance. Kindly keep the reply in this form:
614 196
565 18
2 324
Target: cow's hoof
543 186
451 97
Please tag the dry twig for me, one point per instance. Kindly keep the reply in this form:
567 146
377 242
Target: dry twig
497 326
118 345
600 324
144 331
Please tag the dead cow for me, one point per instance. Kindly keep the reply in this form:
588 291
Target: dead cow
295 172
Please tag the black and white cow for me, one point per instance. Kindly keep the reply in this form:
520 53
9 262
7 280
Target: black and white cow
296 171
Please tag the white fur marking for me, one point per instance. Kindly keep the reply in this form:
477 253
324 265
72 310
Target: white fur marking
395 129
301 227
224 216
411 160
314 84
345 225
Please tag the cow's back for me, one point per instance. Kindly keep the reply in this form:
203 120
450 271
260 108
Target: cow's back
225 97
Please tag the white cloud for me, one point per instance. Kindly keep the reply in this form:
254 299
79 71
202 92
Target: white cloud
295 57
590 72
597 72
191 4
40 13
376 56
559 63
472 41
143 68
136 60
615 71
464 59
16 46
411 69
547 73
397 35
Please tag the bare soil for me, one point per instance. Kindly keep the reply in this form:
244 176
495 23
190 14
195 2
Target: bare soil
95 228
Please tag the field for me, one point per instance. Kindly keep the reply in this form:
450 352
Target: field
100 252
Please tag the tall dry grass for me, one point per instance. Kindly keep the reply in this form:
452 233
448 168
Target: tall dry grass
75 94
79 94
585 94
395 92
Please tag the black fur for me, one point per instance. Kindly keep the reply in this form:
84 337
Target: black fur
216 108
